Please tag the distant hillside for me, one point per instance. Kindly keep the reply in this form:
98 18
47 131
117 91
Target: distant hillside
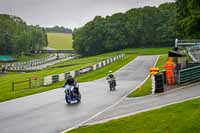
57 29
60 41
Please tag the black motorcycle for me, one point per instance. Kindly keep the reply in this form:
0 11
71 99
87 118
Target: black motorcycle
112 84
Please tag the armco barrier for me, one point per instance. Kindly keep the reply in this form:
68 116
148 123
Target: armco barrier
94 67
114 58
108 61
61 77
47 80
104 63
193 64
66 75
55 78
111 60
72 73
77 73
189 75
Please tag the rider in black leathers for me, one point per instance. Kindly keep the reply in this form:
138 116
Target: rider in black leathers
71 81
111 76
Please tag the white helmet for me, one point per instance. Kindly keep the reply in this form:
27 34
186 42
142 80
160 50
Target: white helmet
110 71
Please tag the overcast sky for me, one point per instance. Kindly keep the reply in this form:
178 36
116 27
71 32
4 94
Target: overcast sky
68 13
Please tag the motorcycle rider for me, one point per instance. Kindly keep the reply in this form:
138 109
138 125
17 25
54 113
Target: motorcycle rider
111 77
71 82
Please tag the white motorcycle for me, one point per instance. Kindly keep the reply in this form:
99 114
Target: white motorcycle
72 94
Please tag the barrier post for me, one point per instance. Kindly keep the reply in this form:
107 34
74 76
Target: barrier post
30 83
153 71
13 86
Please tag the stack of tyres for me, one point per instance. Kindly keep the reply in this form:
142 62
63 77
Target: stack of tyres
159 83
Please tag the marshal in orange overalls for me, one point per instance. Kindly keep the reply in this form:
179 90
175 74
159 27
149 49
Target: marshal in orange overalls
169 67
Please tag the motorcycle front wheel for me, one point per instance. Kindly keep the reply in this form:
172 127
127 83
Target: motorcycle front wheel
67 99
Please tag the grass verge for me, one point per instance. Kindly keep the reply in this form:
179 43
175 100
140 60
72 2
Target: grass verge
145 89
178 118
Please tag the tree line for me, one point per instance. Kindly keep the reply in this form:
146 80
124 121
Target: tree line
140 27
188 16
17 38
58 29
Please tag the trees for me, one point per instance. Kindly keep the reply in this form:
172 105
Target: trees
59 29
188 16
141 27
18 38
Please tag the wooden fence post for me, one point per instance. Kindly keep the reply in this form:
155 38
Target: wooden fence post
30 83
13 85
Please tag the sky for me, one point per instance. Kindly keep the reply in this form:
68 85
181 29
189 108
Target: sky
69 13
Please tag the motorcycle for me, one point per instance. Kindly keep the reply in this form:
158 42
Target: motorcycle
72 95
112 84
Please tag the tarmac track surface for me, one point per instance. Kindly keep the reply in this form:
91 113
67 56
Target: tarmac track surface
47 112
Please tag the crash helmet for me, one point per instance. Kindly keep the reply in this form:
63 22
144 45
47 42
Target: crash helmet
69 76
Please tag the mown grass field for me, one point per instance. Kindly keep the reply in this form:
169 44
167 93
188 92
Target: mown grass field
60 41
6 92
145 89
178 118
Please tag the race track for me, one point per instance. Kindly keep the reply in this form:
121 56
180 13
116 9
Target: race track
48 113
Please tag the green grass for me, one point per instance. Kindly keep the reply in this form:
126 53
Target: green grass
60 41
76 64
178 118
145 89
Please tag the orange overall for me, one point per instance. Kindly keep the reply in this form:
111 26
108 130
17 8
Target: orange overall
170 66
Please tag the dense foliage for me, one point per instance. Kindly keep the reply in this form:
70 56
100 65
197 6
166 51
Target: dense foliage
188 16
141 27
57 29
18 38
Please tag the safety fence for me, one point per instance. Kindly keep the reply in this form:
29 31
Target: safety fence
186 42
29 64
194 52
63 76
192 64
191 74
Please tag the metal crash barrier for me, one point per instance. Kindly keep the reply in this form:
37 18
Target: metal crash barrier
189 75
